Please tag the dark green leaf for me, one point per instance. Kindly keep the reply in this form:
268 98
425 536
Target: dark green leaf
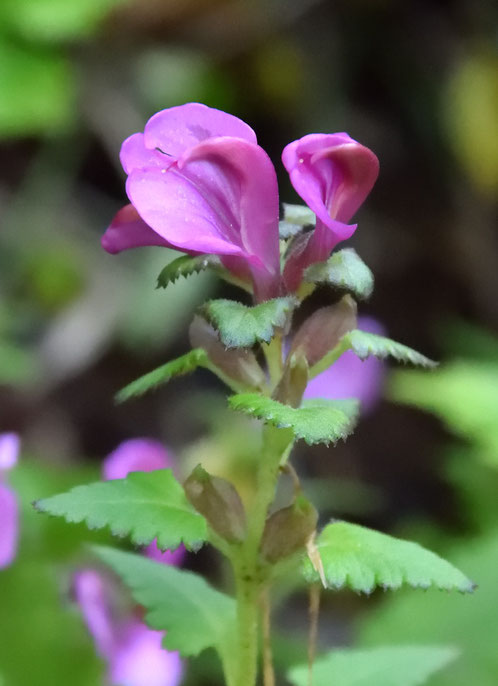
385 666
317 421
360 559
182 365
185 266
345 270
194 615
240 326
144 506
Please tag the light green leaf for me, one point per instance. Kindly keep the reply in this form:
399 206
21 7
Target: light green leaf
194 615
296 217
240 326
384 666
144 506
365 344
178 367
360 559
185 266
317 421
345 270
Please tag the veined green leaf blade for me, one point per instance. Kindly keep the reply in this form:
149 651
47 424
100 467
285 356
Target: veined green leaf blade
194 615
150 381
240 326
143 506
344 269
317 421
361 559
409 665
365 344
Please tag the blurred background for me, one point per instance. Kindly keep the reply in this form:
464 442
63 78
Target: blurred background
416 82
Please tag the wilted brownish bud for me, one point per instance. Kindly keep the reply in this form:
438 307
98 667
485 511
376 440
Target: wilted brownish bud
237 363
288 530
218 501
293 383
321 332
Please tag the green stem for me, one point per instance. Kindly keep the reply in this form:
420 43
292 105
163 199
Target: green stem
250 572
273 354
329 359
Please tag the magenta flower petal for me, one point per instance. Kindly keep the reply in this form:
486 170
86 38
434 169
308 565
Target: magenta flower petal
127 230
92 595
177 129
349 377
134 154
168 557
141 661
9 523
333 174
136 455
9 450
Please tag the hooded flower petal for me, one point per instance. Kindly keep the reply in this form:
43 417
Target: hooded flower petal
333 174
349 377
198 179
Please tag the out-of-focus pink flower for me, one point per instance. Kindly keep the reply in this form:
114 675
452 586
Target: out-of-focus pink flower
349 377
9 509
142 455
198 182
333 174
132 651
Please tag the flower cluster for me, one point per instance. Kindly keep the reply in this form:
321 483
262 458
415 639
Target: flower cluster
199 182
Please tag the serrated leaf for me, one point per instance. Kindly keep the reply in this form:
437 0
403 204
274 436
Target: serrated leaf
296 217
143 506
365 344
317 421
240 326
178 367
185 266
361 559
344 269
194 615
384 666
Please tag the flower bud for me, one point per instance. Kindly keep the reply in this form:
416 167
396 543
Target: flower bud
239 364
288 530
321 332
218 501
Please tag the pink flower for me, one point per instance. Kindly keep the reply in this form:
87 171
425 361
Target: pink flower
333 174
198 182
9 509
349 377
142 455
132 651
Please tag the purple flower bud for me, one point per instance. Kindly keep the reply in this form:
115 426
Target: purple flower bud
333 174
9 508
198 182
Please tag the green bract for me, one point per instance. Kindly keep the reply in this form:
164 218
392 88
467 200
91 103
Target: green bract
185 266
344 269
144 506
360 559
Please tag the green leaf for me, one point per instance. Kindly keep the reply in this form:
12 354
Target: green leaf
240 326
345 270
317 421
360 559
184 266
365 344
384 666
144 506
194 615
182 365
296 217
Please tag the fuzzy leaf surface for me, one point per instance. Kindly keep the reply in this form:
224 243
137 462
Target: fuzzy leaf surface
364 344
185 266
316 421
361 559
344 269
296 217
182 365
194 615
409 665
143 506
240 326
